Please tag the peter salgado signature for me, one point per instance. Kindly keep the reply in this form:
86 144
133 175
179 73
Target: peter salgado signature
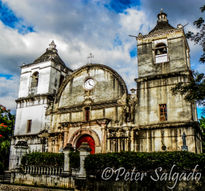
158 175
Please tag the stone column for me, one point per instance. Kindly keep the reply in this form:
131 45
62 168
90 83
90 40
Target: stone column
66 151
132 140
104 138
84 151
108 145
118 144
21 149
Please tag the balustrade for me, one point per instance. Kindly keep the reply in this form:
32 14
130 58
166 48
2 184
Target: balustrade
40 170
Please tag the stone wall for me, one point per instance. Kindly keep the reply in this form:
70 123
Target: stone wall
105 102
108 86
43 180
25 80
10 187
155 91
139 186
167 139
91 185
177 51
36 113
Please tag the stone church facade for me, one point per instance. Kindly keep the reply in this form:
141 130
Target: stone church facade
57 105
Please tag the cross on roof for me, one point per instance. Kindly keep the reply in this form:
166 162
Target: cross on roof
90 57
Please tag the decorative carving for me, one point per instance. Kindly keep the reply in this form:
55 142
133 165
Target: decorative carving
125 115
184 146
129 105
132 104
123 100
117 133
88 101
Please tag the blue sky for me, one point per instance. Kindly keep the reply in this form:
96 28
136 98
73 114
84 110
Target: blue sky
8 18
200 112
120 6
6 76
80 27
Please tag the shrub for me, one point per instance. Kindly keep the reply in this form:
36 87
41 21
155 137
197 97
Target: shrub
43 159
148 162
1 168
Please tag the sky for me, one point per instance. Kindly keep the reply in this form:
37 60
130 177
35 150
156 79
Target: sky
81 27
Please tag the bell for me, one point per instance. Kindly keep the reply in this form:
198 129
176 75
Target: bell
158 52
164 50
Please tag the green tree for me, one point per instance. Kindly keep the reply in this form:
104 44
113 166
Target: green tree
195 90
202 126
6 130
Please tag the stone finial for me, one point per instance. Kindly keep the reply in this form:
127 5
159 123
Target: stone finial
140 35
52 46
133 90
68 147
84 147
179 26
162 16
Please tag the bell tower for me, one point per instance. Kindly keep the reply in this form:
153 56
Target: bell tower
163 50
39 83
163 62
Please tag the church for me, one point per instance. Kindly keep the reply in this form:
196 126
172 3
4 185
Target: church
92 104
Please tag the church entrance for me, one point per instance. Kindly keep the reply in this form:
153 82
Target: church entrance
88 139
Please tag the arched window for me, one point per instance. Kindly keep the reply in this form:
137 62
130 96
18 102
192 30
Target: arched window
161 53
34 83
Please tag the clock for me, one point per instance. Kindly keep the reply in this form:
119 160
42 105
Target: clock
89 84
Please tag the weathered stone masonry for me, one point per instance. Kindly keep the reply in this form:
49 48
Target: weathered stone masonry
57 106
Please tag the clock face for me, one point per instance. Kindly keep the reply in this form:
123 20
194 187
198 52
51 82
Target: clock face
89 84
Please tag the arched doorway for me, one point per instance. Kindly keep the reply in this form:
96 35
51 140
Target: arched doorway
88 139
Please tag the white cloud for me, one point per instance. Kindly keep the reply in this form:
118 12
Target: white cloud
78 28
76 33
9 90
133 21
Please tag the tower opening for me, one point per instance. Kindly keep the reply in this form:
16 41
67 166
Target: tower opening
34 83
161 53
